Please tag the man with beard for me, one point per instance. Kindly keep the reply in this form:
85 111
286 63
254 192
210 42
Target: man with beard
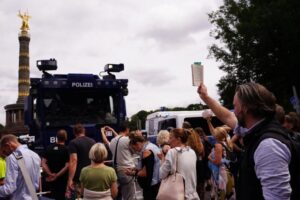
264 171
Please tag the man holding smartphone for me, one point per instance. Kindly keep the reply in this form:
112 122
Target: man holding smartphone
123 159
107 131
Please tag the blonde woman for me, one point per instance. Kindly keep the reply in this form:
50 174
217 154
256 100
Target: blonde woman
162 141
221 176
98 181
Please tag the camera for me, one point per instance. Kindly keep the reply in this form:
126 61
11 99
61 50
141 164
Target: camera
44 65
114 67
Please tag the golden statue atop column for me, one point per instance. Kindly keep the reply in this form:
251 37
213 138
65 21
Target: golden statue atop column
15 112
25 20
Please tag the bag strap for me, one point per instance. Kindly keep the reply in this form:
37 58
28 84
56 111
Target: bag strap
225 147
18 155
176 161
116 152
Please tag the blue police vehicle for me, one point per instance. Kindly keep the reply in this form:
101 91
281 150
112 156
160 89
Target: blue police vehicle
58 101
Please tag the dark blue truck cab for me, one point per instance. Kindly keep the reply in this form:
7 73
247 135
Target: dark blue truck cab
58 101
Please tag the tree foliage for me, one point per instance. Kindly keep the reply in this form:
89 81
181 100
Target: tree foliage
259 41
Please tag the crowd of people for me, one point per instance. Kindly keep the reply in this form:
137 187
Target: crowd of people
249 157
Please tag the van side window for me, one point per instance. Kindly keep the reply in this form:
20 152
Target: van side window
163 125
201 122
151 127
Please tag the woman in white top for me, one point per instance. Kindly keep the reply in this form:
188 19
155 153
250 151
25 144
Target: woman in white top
186 165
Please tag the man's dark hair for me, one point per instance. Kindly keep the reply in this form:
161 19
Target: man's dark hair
135 138
124 126
8 138
280 113
78 129
258 100
200 131
186 125
61 135
294 119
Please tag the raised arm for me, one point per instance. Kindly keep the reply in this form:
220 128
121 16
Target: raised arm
210 126
225 115
113 130
104 138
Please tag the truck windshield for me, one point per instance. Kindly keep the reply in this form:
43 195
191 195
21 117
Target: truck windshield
65 107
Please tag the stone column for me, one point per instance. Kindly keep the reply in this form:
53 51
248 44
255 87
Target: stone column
24 80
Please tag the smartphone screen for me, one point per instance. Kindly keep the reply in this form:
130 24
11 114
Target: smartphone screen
108 133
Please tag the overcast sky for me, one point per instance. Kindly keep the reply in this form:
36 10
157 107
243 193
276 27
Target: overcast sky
157 40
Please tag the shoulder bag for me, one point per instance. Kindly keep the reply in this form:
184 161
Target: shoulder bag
172 187
21 163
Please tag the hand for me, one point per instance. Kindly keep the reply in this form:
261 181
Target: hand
165 149
70 185
207 114
51 178
208 118
209 157
202 90
161 156
130 171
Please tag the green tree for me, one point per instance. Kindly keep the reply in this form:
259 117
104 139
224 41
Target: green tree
138 120
259 41
195 107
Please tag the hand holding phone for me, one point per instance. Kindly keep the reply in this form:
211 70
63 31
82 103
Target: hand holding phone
108 132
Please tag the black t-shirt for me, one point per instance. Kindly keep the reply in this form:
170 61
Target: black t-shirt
57 156
148 162
81 146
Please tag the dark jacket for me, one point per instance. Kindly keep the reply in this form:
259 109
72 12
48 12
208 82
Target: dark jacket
249 187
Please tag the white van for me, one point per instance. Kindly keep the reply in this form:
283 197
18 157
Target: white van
163 120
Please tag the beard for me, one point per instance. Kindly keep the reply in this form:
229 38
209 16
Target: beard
241 120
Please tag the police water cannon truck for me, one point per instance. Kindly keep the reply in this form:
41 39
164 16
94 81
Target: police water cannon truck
59 101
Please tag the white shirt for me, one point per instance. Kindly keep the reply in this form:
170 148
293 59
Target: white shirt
124 156
186 167
14 184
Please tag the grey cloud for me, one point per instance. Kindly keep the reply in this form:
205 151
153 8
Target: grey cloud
85 35
152 77
175 29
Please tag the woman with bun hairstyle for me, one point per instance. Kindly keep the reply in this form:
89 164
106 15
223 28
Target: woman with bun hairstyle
186 161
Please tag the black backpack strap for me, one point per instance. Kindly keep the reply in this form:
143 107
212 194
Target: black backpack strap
225 147
278 134
116 152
